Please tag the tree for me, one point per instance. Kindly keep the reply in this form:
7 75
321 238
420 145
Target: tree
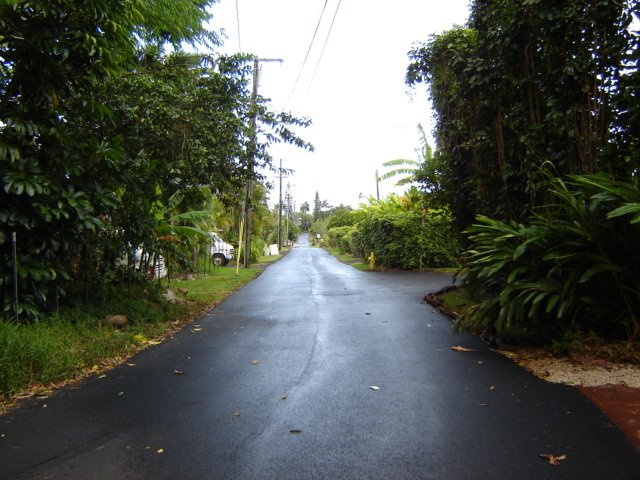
99 129
306 219
536 103
318 208
526 83
409 168
51 54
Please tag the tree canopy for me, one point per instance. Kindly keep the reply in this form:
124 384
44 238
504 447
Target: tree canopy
100 127
536 107
529 82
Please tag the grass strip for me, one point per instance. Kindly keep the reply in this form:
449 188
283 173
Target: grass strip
36 358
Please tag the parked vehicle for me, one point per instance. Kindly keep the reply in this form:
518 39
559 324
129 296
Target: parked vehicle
221 251
151 263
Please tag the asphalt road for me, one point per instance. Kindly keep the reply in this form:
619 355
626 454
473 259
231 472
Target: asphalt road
277 385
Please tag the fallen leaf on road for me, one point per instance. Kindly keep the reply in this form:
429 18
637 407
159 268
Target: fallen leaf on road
484 404
102 376
458 348
374 387
196 329
295 431
236 414
153 342
160 450
131 364
178 372
120 394
553 459
255 362
283 397
492 387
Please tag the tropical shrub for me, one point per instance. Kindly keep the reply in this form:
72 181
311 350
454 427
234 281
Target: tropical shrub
343 216
342 238
575 266
409 240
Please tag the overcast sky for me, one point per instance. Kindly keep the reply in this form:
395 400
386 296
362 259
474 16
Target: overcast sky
363 113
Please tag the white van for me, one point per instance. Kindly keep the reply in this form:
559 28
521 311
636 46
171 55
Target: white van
221 251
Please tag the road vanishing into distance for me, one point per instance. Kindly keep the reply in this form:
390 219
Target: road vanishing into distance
316 370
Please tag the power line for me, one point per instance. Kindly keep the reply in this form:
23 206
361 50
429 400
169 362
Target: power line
326 40
238 25
308 51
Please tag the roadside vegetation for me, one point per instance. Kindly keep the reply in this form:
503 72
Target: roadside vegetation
399 232
537 131
122 151
118 146
533 187
38 356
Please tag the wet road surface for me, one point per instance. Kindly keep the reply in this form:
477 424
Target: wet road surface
277 385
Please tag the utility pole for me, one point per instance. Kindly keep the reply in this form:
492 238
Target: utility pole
248 205
377 186
280 212
288 200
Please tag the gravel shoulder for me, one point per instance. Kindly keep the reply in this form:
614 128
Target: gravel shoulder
585 372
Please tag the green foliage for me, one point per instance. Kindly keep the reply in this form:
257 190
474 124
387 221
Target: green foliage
99 129
343 216
177 21
421 170
320 208
68 345
216 287
57 348
294 231
574 267
343 238
401 231
404 167
529 82
257 249
319 228
408 240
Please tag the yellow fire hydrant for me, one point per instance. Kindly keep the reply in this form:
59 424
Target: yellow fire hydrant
372 261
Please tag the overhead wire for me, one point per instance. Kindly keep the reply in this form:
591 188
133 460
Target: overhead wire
326 40
308 50
238 25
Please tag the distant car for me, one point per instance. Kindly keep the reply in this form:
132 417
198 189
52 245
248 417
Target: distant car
221 251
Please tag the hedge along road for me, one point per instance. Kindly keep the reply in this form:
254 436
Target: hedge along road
278 383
